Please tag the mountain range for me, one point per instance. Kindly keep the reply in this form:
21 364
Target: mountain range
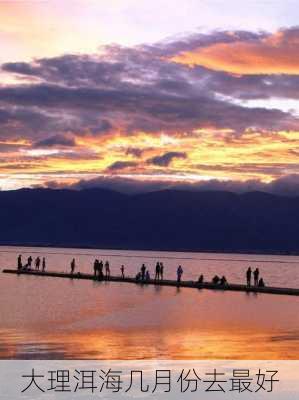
164 220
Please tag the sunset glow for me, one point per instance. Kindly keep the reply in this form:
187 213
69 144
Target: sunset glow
97 94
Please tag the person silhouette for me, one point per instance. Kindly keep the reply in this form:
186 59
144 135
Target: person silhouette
138 276
101 267
161 270
73 266
256 274
223 280
96 267
107 269
44 264
122 270
261 283
248 276
179 273
29 262
200 279
147 276
143 269
20 266
37 263
216 280
158 269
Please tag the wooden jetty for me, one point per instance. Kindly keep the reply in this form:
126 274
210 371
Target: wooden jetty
164 282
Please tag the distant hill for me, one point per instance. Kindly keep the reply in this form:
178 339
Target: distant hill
165 220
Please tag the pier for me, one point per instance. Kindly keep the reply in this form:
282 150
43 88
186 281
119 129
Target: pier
164 282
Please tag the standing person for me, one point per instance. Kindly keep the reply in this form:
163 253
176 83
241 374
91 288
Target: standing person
248 276
29 262
157 275
73 266
95 267
44 264
122 270
161 270
101 266
143 269
179 273
256 274
37 263
20 266
107 269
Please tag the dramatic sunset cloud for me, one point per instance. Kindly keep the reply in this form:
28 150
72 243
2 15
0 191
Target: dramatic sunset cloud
206 109
266 54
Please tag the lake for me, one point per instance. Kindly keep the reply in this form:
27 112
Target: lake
50 318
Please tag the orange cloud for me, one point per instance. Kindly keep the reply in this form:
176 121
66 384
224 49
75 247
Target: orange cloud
274 54
210 154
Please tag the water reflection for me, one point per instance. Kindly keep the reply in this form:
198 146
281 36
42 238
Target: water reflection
48 318
149 344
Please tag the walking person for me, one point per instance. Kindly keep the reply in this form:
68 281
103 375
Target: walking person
248 276
179 273
256 274
44 264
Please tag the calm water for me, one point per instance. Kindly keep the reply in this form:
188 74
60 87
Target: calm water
63 319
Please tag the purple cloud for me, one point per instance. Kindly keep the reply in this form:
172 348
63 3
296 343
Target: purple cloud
165 159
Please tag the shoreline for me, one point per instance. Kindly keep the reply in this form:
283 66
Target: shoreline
163 250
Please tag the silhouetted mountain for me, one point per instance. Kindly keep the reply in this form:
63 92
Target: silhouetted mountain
165 220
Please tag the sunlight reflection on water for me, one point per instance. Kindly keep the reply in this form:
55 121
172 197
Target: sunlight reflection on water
64 319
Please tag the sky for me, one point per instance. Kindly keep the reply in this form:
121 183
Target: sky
136 95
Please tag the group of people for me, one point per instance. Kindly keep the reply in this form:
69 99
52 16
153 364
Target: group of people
217 280
144 275
38 262
257 281
102 271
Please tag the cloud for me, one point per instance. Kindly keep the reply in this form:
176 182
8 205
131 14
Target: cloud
21 68
136 103
270 54
144 109
140 89
166 159
134 151
119 165
56 140
287 185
